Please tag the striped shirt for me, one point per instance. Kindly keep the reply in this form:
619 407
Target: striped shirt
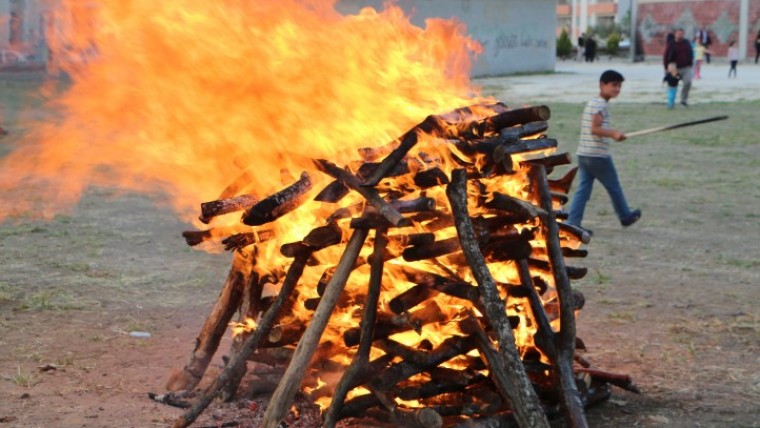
594 145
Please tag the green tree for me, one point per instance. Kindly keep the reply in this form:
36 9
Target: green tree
613 42
564 45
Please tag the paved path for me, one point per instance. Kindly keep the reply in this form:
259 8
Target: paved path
576 81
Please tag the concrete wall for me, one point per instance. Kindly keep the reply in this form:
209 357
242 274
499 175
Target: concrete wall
517 35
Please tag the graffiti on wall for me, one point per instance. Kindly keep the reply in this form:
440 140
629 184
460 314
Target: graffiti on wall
499 41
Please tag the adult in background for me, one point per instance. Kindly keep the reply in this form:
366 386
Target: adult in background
682 54
589 50
757 46
581 43
703 36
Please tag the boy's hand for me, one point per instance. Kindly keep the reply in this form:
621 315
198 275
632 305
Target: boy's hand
618 136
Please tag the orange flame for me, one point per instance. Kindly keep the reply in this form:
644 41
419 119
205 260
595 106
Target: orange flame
182 97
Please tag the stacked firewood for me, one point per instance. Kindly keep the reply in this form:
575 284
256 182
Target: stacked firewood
448 226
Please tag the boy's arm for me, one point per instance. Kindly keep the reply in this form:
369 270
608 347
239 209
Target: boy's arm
598 130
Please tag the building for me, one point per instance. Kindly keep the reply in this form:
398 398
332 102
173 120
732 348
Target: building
726 21
516 35
579 16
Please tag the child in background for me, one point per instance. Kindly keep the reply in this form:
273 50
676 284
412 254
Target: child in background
733 56
671 79
699 55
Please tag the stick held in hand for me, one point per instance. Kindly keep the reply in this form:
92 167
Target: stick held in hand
677 125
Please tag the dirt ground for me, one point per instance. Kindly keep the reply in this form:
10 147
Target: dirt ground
672 301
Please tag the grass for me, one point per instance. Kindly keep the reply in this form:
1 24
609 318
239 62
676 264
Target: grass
22 378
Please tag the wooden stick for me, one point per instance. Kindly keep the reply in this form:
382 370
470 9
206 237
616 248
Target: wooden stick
519 390
283 396
571 399
674 126
360 362
251 343
370 194
212 331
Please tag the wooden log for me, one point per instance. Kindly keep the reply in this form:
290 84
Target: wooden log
212 209
497 369
524 210
571 272
430 178
333 192
368 168
283 396
506 136
450 348
516 117
360 362
279 204
562 185
388 325
523 146
518 389
549 162
241 240
371 195
576 232
233 368
570 397
545 337
213 329
620 380
432 125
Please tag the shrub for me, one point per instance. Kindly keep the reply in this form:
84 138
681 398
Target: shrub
613 42
564 45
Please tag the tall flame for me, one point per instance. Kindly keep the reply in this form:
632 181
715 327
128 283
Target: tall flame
185 96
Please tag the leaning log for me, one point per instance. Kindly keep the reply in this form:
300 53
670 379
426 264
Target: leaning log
519 391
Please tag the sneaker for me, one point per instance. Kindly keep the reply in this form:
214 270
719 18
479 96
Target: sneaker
683 103
633 218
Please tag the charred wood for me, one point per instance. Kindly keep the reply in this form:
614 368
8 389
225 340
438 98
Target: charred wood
518 389
279 204
212 209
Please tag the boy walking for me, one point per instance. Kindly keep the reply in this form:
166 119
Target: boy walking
594 158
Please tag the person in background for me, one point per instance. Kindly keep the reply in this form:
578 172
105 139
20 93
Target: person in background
757 46
733 57
681 53
703 36
589 50
581 42
671 79
594 158
700 52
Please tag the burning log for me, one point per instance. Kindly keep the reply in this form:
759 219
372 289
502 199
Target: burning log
280 203
232 371
566 339
285 391
389 325
518 389
385 209
563 184
359 365
212 209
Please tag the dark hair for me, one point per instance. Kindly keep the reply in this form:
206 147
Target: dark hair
611 76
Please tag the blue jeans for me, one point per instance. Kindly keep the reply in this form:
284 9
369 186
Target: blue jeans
672 91
602 169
